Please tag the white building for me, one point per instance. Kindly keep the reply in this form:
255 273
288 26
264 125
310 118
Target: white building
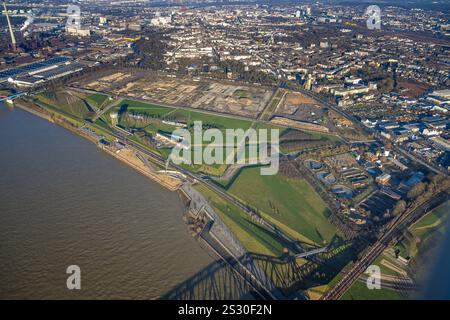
161 21
78 32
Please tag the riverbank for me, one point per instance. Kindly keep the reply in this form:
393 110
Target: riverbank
127 155
422 242
122 146
35 112
130 158
65 202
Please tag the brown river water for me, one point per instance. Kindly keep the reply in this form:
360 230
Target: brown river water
65 202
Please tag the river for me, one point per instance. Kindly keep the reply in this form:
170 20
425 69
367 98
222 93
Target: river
65 202
437 279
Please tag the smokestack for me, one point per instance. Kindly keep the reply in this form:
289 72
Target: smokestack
13 39
27 22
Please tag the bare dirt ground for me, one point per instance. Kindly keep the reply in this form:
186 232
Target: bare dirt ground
129 157
224 97
299 98
412 89
213 96
302 107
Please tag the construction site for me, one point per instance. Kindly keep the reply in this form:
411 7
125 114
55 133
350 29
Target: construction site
227 98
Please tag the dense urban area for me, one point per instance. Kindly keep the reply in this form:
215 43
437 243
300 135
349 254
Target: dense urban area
363 116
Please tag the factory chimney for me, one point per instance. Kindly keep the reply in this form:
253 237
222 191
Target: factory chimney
13 39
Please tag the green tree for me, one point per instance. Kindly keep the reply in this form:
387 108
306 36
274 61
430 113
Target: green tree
416 191
399 208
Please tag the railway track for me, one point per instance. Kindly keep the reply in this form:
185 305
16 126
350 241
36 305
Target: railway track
394 232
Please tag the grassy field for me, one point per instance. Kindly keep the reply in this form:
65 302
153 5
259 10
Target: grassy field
384 269
322 136
359 291
254 238
97 99
151 110
100 129
68 103
310 139
160 113
315 293
6 92
435 220
210 120
182 115
291 204
430 226
77 104
75 121
186 116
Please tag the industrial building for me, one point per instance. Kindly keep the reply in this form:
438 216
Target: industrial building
36 73
32 68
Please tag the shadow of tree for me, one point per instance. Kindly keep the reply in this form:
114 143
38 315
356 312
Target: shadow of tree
123 108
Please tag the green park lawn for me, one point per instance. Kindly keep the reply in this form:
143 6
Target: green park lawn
151 110
425 230
291 204
76 108
97 99
253 237
359 291
434 220
188 117
210 120
182 115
